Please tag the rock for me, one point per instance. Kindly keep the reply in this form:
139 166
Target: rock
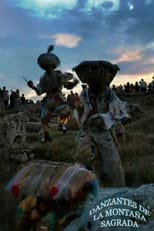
21 155
13 129
118 209
33 127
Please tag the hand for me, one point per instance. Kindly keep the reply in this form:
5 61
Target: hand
30 84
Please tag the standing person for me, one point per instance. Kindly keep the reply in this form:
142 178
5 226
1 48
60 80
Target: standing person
2 106
15 102
51 83
136 87
143 86
5 94
151 86
17 99
103 110
23 100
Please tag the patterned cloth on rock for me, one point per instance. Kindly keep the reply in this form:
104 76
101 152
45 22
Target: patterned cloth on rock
74 178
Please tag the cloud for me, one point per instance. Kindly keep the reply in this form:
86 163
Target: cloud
62 39
119 31
49 9
135 60
45 4
108 5
128 55
67 40
46 9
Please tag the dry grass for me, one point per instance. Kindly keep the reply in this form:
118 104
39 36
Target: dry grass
61 148
137 152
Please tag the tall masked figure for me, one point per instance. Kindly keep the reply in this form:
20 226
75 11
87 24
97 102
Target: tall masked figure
51 83
103 110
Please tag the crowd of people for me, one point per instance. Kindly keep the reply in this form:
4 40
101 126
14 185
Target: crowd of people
12 99
139 87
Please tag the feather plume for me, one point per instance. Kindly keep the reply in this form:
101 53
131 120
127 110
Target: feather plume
50 48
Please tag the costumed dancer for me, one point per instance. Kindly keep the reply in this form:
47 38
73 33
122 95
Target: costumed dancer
51 83
103 110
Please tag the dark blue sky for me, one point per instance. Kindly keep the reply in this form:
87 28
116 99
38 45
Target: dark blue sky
119 31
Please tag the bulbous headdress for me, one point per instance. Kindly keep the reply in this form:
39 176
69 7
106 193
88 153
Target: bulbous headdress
48 59
95 70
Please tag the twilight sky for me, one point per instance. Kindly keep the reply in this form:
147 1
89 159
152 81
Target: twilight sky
118 31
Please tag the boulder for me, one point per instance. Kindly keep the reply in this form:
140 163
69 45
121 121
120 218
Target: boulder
124 209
